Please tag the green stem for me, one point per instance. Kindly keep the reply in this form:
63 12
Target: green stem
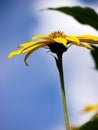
60 68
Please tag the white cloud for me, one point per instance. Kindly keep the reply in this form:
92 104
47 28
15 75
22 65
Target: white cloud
83 79
52 20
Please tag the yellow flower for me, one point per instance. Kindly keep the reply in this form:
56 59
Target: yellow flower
57 42
91 108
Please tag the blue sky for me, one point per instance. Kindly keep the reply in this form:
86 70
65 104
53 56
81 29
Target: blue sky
30 97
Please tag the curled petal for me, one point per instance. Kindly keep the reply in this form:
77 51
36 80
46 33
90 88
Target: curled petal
31 51
88 38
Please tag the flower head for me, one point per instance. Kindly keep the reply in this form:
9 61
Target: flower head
57 42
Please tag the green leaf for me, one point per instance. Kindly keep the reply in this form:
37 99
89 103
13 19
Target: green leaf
90 125
83 15
95 56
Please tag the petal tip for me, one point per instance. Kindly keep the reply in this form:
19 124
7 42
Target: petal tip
10 55
26 62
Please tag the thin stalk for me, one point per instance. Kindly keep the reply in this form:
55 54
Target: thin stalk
60 69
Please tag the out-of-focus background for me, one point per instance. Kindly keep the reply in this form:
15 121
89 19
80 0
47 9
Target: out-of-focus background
30 97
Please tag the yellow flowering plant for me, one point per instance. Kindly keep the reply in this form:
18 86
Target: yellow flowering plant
58 43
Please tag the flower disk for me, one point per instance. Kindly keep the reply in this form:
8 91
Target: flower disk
59 46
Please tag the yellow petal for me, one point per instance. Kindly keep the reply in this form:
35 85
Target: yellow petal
26 44
14 53
31 51
86 46
23 50
88 38
18 52
61 40
42 37
91 108
77 42
24 47
73 40
29 47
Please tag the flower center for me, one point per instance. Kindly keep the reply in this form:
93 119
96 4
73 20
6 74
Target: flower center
57 34
57 48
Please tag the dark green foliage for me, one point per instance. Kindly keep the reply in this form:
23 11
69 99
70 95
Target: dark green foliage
83 15
95 56
90 125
